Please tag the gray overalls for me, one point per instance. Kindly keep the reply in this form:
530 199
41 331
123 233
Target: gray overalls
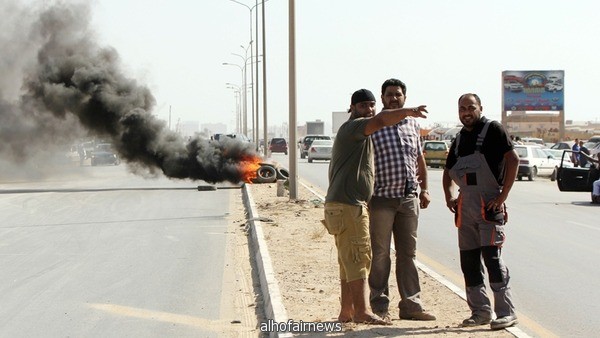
480 233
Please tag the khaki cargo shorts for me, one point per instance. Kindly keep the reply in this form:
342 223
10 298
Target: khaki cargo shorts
349 225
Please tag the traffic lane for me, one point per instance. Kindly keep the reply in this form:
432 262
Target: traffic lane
545 251
538 248
316 172
553 257
66 256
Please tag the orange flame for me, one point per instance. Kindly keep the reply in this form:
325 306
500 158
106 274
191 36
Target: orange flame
249 167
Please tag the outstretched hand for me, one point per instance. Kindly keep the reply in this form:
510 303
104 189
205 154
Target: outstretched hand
419 111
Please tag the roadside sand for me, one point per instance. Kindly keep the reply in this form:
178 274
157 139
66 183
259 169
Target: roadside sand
305 264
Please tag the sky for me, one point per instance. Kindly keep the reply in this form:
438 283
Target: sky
440 49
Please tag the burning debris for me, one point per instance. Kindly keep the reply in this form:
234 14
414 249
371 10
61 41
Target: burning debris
74 88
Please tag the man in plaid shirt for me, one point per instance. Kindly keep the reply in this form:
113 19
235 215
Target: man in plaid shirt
400 171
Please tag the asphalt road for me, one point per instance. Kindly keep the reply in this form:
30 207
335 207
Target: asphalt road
551 251
111 254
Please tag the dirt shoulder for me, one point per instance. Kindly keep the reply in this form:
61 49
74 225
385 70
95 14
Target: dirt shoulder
305 263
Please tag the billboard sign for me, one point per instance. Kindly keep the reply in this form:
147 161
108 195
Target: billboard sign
539 90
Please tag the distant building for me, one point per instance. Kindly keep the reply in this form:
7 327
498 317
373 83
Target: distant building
214 128
188 128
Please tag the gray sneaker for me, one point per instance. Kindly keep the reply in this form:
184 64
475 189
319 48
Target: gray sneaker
503 322
476 320
385 315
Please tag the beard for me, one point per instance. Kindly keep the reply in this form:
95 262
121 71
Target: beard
470 120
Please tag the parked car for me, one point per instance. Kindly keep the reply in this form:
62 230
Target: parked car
533 140
235 136
576 178
304 144
593 149
568 145
104 154
435 153
278 145
556 156
533 162
593 145
320 150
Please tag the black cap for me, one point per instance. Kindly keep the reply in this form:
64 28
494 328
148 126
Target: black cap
362 95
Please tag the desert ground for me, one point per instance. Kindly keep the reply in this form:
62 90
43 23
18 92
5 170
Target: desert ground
305 264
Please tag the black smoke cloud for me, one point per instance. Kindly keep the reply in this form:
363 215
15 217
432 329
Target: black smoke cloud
71 88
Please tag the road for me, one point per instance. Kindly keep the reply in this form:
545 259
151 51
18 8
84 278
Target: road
103 255
551 249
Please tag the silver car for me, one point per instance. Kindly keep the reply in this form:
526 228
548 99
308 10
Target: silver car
320 150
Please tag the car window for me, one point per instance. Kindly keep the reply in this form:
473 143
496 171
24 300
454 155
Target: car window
435 146
539 153
104 147
278 141
521 151
322 142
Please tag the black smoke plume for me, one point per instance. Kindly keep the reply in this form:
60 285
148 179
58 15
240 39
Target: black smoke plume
71 88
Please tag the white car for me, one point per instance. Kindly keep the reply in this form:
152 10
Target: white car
556 156
553 87
320 150
534 161
515 87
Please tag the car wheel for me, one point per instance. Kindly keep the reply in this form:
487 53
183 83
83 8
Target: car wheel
533 174
285 152
520 178
310 160
553 176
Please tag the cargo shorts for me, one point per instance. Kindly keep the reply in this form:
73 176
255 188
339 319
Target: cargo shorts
349 225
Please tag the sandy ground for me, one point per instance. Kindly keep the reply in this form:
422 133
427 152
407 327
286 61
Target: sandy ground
305 263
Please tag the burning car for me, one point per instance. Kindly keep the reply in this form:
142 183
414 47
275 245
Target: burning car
104 154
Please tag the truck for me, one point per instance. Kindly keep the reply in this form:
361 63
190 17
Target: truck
315 127
338 118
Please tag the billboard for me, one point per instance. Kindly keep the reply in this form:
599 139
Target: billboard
533 90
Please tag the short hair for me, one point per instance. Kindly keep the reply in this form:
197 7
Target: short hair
395 83
470 94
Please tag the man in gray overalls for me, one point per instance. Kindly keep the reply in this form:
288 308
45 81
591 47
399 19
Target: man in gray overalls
483 163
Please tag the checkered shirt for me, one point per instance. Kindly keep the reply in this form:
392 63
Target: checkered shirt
396 150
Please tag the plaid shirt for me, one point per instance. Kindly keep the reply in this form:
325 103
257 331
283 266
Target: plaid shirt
396 150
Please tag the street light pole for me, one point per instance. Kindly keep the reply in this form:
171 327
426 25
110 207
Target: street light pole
238 107
255 132
243 70
293 159
264 59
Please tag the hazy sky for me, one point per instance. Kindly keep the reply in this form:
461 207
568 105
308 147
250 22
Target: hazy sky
441 49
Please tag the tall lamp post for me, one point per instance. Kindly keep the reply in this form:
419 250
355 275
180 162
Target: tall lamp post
264 58
250 9
293 159
237 90
243 91
245 60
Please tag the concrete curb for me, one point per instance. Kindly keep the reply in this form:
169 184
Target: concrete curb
273 304
274 308
515 331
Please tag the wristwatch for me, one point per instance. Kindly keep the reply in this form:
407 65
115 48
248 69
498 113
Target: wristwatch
424 191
